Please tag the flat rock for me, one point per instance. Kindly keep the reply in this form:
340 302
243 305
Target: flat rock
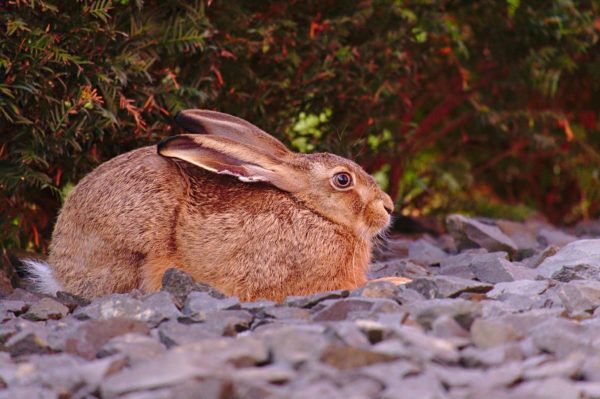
346 357
172 333
125 307
172 369
579 260
136 348
199 303
310 301
497 270
580 297
179 284
523 235
551 388
294 345
470 233
26 343
452 286
227 322
46 308
89 337
423 251
554 237
520 287
460 265
341 309
427 311
397 268
487 333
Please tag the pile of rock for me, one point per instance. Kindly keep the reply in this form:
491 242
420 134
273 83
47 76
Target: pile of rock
495 310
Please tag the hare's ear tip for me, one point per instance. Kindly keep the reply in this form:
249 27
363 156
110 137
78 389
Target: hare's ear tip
189 121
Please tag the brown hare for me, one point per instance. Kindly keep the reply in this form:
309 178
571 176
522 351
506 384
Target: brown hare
229 204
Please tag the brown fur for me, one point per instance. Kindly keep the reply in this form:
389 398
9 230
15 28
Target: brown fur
140 213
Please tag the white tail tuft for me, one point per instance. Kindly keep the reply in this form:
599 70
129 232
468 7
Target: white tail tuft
41 277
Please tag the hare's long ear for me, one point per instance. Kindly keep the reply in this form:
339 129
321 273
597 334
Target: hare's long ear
224 125
225 156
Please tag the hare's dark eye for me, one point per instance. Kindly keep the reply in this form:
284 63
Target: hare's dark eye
342 180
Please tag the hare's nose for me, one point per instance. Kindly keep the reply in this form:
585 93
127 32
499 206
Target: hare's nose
388 204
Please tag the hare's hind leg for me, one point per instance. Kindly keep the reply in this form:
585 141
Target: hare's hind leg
100 271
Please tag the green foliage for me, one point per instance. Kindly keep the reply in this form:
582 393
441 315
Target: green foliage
453 105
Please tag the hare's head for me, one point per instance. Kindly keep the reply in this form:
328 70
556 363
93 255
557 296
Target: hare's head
331 186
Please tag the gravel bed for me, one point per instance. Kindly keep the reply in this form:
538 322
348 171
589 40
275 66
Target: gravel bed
495 309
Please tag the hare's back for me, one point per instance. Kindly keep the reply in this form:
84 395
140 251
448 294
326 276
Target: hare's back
130 199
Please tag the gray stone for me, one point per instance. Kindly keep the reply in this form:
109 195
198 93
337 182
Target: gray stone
497 270
227 322
538 258
348 333
345 357
492 356
46 308
28 392
13 306
523 235
560 336
341 309
294 345
422 386
503 376
462 311
520 287
406 295
199 303
452 286
310 301
240 351
174 368
487 333
423 251
286 313
456 376
88 337
172 333
580 297
124 306
71 301
590 369
179 284
26 343
569 367
410 341
397 268
470 233
380 289
424 286
579 260
551 388
460 265
555 237
162 303
446 327
521 303
136 348
257 307
391 372
67 373
273 374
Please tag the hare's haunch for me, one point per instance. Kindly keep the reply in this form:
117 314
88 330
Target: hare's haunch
229 204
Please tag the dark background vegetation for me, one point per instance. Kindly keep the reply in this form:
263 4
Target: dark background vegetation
487 107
